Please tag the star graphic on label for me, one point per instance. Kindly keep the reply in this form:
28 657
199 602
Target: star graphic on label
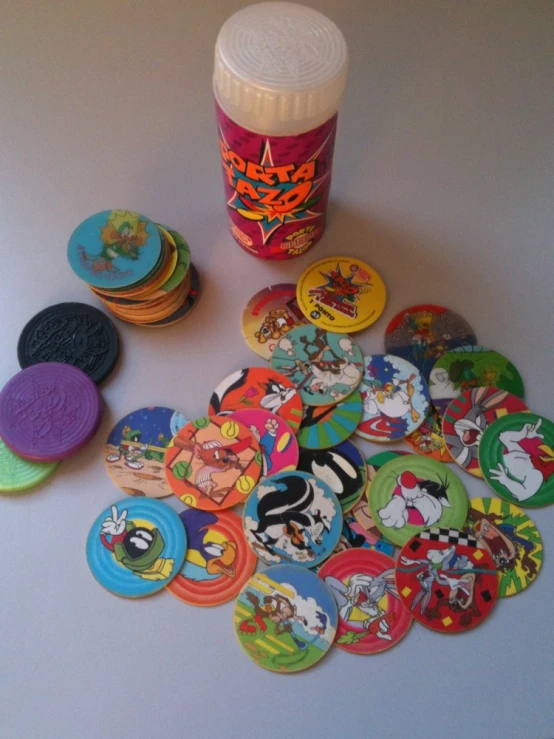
287 193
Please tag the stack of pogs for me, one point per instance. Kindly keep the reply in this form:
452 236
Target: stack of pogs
140 270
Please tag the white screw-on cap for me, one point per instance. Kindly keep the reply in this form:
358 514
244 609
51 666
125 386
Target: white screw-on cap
280 68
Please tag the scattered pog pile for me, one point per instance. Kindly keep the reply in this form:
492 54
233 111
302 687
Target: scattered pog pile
355 548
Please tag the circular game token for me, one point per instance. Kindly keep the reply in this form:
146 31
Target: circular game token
114 249
277 441
134 454
341 294
428 439
213 463
516 456
395 397
293 517
445 580
354 536
372 618
49 411
71 333
470 349
512 540
190 301
141 289
422 333
167 273
132 305
285 618
140 306
468 416
268 315
152 312
325 426
150 289
343 469
177 279
218 563
136 546
17 474
412 493
183 262
361 510
258 387
325 367
457 371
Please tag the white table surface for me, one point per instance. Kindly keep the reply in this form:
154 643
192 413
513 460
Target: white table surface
442 181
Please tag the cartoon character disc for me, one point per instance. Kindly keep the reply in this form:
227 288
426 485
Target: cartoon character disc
114 249
457 371
412 493
325 367
219 561
325 426
213 463
516 456
285 618
277 440
445 580
270 314
354 536
422 333
343 468
371 616
136 546
258 387
512 540
428 439
134 454
341 294
468 416
361 509
395 397
293 517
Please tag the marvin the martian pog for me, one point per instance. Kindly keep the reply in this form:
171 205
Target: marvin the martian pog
136 546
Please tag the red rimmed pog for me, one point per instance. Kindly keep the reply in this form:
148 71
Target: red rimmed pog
445 580
372 618
219 562
213 463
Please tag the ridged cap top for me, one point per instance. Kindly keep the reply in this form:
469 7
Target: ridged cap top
280 68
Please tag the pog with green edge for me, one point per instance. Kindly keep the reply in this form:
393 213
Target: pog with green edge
324 366
516 456
469 367
327 425
410 493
